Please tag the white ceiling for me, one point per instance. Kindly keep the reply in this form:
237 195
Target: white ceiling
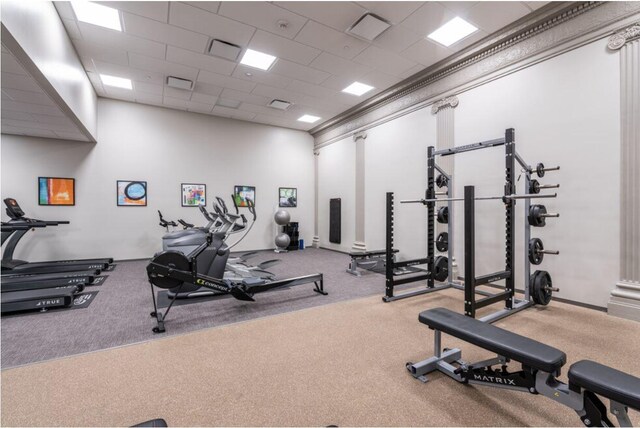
316 58
27 109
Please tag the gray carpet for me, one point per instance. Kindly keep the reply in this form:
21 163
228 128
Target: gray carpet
120 313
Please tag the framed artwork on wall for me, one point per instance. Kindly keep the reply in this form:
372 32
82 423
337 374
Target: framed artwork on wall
194 194
132 193
288 197
242 193
56 191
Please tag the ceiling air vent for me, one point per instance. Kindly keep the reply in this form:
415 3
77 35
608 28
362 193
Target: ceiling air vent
280 104
178 83
223 102
224 49
368 27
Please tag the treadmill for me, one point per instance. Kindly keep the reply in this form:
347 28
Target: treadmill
16 282
20 266
43 300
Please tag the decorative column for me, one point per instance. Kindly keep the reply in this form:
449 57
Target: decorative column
316 236
443 110
625 297
359 244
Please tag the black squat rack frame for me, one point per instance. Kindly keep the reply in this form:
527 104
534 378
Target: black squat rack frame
396 271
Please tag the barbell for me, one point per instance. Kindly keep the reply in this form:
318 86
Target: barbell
477 198
537 251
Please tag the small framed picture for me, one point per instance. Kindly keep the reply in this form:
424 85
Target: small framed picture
194 194
56 191
288 197
132 193
242 193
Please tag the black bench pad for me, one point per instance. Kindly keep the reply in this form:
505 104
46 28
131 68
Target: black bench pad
605 381
505 343
370 253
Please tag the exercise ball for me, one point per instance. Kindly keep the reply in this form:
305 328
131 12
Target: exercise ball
282 217
282 240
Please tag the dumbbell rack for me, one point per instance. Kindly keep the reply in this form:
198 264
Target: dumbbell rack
472 303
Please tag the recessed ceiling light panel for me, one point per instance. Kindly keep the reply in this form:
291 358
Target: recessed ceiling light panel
117 82
453 31
368 27
308 118
357 88
257 59
178 83
224 50
280 104
97 14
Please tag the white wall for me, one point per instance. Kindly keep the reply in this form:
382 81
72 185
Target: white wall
337 179
566 111
396 161
165 148
37 28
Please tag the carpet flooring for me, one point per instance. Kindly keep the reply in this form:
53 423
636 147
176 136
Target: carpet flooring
341 364
120 313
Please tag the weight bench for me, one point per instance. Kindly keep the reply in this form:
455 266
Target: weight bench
541 365
369 260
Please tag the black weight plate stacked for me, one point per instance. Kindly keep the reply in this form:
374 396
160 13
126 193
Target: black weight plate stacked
540 287
535 215
535 248
540 170
441 268
442 241
443 215
441 181
534 186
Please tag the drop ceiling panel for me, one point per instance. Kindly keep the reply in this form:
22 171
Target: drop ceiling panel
157 10
316 58
265 16
120 40
491 16
382 60
165 33
339 15
393 11
330 40
283 47
210 24
261 77
300 72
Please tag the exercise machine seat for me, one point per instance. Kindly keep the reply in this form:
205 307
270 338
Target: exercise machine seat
610 383
505 343
152 423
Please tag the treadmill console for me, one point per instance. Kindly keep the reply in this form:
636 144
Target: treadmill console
13 209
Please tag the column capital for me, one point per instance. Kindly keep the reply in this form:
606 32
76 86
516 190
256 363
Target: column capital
451 101
622 37
360 135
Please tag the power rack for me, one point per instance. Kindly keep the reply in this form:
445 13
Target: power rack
396 271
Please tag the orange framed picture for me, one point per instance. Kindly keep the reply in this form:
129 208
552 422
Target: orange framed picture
56 191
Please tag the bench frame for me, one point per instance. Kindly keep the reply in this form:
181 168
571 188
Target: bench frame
586 404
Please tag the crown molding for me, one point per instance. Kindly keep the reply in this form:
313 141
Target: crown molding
553 29
621 38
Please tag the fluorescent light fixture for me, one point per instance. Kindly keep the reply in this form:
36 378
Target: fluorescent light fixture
453 31
257 59
118 82
97 14
357 88
308 118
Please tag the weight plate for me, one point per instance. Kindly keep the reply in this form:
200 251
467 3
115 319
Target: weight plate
171 259
540 170
535 248
443 215
540 287
534 186
441 268
441 181
535 215
442 241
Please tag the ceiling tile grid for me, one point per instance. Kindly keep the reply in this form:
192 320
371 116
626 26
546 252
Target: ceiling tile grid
316 57
27 109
